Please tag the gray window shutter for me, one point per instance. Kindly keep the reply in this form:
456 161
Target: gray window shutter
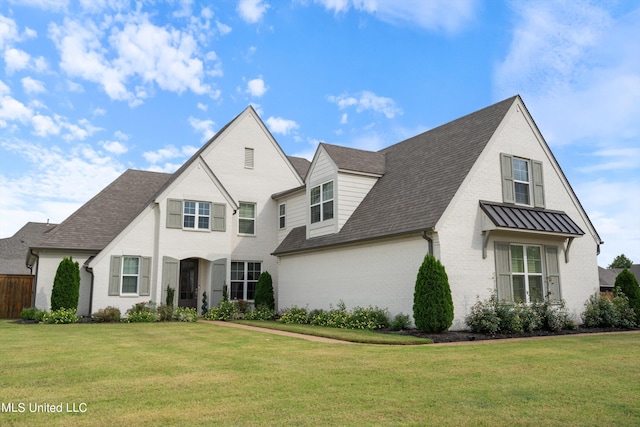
503 272
170 276
506 166
144 287
538 185
219 217
553 273
174 213
114 279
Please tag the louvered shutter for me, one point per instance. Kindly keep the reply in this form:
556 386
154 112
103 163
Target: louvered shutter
114 279
538 185
174 213
506 167
553 273
145 277
503 272
219 217
170 275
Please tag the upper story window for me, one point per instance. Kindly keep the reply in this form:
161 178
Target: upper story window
321 202
247 218
522 181
130 274
196 215
282 210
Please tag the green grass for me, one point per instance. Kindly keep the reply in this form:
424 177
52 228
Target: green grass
351 335
202 374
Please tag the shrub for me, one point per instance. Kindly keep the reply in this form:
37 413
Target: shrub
186 314
205 304
334 318
66 285
264 292
367 318
602 312
295 315
401 321
483 317
553 317
260 313
627 283
108 314
170 293
60 316
32 313
165 313
142 312
432 302
226 310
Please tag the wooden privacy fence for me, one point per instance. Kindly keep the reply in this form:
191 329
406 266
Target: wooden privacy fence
16 293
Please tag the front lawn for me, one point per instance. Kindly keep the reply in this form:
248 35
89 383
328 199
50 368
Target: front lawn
203 374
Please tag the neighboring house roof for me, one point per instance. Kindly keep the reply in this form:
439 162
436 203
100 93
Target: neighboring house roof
530 219
608 275
13 250
354 160
300 164
421 176
103 217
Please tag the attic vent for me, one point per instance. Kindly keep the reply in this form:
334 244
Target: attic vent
248 158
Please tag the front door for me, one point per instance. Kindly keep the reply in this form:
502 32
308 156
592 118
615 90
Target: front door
188 283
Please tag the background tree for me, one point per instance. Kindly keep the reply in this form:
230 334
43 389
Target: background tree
264 292
628 284
66 285
432 302
621 261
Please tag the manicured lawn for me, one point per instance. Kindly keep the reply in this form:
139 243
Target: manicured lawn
203 374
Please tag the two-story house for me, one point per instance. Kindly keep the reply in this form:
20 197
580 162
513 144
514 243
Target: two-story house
483 193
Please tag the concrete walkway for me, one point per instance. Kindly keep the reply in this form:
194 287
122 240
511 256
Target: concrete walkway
277 332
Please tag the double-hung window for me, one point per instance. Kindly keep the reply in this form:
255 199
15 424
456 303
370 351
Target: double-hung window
321 202
247 218
522 181
196 215
244 277
282 210
130 274
526 271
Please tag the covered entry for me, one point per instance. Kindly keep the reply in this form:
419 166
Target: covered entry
188 289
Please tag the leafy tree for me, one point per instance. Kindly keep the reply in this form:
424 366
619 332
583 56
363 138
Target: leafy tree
621 261
264 292
66 285
432 302
628 284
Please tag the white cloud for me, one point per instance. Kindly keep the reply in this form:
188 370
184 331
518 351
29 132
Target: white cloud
12 110
281 126
256 87
223 29
252 10
44 4
32 86
168 152
15 60
115 147
366 100
448 15
205 127
613 159
8 31
44 126
202 106
121 135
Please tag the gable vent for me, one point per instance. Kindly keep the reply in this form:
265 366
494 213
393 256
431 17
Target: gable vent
248 158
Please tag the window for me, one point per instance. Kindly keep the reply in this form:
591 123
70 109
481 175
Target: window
282 210
130 274
247 218
244 277
522 181
196 215
248 158
521 272
321 202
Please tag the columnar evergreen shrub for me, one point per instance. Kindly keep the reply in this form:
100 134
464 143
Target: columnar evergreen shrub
627 283
66 285
432 302
205 304
264 292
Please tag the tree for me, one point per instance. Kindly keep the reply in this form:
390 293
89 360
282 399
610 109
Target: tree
264 292
66 285
621 261
628 284
432 302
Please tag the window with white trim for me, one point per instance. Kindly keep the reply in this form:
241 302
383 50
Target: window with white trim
521 181
244 277
196 215
282 211
247 218
321 202
130 274
526 271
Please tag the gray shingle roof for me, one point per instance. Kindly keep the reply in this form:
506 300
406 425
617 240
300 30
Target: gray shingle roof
351 159
300 164
13 250
530 219
422 174
102 218
608 275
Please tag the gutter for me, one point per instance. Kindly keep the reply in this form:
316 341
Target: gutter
429 240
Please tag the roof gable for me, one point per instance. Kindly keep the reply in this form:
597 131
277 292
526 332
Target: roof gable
13 250
354 160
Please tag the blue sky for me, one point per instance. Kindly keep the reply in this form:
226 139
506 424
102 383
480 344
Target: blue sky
90 88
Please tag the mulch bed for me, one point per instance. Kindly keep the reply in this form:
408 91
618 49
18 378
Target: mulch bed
462 336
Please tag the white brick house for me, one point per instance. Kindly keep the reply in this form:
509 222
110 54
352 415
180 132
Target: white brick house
483 193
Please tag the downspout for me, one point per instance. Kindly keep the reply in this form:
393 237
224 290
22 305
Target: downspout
429 241
90 271
35 280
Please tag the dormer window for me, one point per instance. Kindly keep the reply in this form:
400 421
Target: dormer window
321 202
